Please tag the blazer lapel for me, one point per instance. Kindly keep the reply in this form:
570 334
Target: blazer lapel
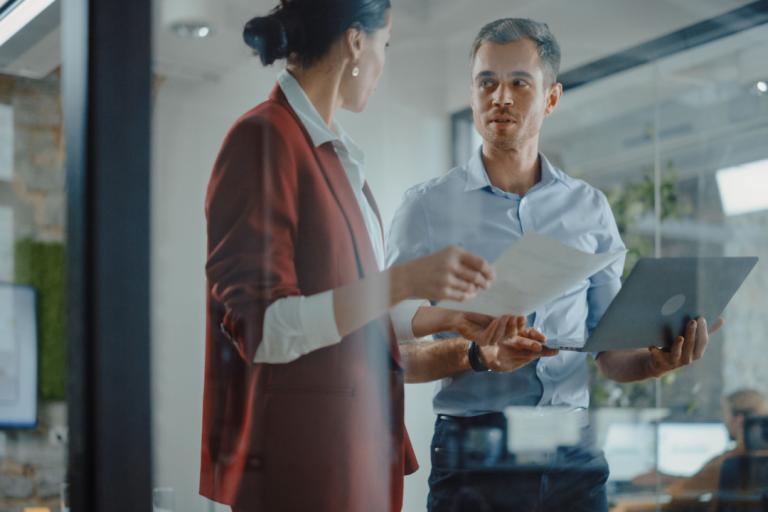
345 196
375 207
339 184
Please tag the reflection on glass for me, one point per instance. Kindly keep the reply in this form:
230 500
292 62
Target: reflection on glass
659 140
163 499
64 497
33 367
680 155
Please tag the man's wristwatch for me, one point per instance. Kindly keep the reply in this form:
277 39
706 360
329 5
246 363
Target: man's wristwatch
473 354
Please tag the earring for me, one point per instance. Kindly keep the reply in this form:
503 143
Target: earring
355 71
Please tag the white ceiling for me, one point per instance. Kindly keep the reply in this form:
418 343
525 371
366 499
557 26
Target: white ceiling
586 29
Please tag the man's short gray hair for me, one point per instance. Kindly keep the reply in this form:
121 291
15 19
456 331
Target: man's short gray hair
508 30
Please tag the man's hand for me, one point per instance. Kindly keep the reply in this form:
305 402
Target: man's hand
685 349
506 344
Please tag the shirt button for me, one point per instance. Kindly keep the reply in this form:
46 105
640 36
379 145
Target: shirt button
512 214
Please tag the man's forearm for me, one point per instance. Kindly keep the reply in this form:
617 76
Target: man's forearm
626 365
425 361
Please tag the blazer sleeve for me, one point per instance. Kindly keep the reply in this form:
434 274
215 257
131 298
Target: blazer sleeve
252 217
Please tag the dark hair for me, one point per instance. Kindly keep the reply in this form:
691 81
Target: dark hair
306 29
508 30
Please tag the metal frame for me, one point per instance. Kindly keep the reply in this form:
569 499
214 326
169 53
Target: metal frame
703 32
106 51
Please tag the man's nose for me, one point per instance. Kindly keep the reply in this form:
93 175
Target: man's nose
502 96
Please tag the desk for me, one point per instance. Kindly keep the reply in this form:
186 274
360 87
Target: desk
638 502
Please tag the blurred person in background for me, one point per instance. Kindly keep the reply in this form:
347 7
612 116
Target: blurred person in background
737 407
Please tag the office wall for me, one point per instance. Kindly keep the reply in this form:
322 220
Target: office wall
404 133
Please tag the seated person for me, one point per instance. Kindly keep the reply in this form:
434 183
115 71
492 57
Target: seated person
736 408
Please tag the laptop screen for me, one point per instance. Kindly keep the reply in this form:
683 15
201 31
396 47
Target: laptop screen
630 449
684 448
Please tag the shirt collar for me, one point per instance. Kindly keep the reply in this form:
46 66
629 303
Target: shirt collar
477 176
318 130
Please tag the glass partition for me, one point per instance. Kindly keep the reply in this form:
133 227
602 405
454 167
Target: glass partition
33 345
677 145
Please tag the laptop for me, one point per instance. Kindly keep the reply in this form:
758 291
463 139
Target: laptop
659 297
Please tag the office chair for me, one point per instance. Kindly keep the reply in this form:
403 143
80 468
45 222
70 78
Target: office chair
743 484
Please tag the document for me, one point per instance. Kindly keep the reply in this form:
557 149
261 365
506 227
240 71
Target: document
533 272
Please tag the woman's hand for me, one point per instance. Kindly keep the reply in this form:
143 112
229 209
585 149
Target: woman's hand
506 344
471 326
450 274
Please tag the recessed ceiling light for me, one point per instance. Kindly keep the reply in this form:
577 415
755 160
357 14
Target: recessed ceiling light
761 86
192 30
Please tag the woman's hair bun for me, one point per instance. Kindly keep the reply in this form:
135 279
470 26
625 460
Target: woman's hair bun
267 36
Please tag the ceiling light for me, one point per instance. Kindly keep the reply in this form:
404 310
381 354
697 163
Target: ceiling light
744 188
192 29
18 17
194 19
761 87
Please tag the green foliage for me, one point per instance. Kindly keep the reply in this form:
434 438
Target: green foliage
632 202
42 265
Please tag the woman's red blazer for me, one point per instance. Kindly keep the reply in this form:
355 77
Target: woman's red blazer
325 432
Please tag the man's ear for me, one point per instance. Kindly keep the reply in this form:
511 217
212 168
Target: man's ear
553 97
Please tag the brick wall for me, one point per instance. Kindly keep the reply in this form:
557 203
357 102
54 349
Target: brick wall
33 461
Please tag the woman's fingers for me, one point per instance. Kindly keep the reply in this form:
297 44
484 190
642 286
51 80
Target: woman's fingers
477 264
470 277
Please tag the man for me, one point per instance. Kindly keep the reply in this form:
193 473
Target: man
687 493
507 189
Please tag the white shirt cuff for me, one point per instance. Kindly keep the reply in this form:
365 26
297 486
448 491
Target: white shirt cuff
402 318
318 322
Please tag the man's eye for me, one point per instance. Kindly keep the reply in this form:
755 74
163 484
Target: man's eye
519 83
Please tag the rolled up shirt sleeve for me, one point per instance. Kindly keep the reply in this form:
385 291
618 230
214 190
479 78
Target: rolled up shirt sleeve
402 318
296 326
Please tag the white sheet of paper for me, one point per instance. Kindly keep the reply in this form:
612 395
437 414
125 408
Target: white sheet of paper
533 272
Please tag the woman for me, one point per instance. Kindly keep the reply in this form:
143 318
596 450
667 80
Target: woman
303 388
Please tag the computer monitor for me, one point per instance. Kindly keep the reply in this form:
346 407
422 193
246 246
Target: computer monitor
684 448
18 357
630 449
